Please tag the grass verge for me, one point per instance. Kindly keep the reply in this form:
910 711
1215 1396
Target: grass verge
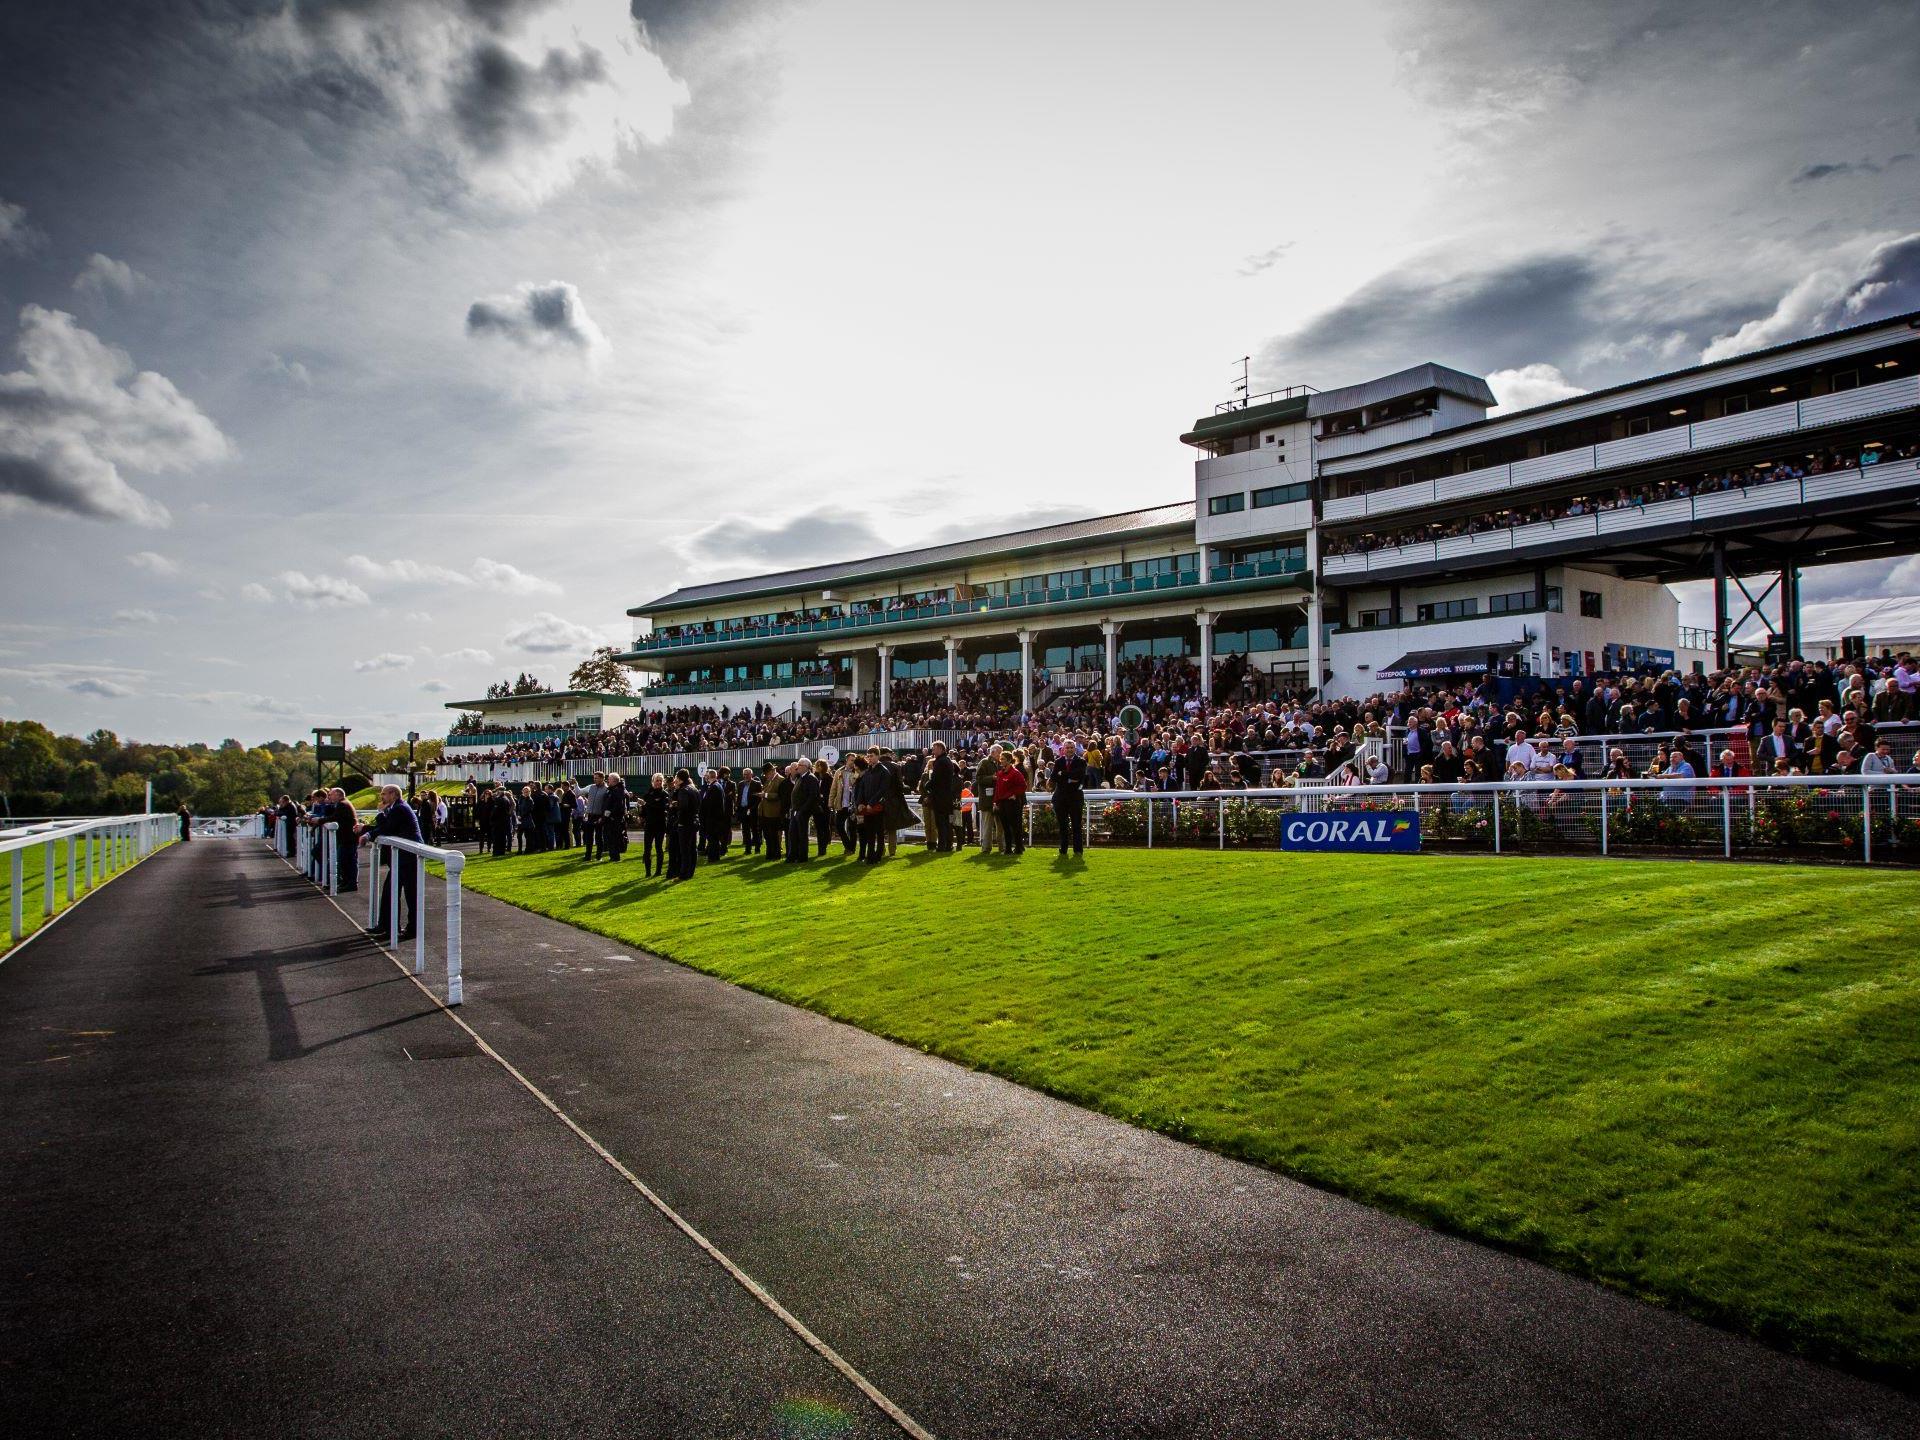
1693 1082
33 883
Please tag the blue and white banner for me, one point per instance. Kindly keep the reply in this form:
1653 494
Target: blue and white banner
1378 830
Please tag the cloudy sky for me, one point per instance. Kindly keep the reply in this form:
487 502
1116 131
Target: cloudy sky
354 353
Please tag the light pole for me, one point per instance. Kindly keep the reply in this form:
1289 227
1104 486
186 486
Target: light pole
412 788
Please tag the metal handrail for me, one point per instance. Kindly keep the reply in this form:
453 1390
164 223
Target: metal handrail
453 862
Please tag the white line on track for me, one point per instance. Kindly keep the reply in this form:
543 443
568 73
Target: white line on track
753 1287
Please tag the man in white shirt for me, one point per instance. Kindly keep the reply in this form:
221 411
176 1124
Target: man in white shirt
1521 753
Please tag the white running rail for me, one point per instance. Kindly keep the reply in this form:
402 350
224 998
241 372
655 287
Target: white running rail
96 849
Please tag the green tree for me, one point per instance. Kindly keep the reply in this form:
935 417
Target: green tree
601 671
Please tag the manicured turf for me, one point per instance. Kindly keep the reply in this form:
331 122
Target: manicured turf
369 797
33 884
1694 1081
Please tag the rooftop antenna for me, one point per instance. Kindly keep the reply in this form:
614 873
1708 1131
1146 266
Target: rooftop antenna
1244 386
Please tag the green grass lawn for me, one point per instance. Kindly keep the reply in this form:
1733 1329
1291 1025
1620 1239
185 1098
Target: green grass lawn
33 884
1697 1082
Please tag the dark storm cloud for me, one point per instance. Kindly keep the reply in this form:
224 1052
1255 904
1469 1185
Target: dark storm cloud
1541 307
502 100
538 316
1825 171
815 536
1887 283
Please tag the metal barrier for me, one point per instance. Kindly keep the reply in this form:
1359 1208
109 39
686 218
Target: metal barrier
454 862
1869 818
110 844
305 837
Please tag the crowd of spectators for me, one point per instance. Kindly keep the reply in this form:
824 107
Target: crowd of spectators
1619 498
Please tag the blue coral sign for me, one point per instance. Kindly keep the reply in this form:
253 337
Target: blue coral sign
1372 830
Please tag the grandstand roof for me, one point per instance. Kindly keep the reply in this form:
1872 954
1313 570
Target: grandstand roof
1018 542
605 697
1893 620
1600 401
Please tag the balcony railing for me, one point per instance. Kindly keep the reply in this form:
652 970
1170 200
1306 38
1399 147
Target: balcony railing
1856 404
763 682
1812 490
958 609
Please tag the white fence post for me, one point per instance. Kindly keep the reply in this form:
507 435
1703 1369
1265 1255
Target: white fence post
1603 822
48 876
455 863
1726 821
1866 824
71 842
18 887
393 900
1221 807
1149 820
1496 822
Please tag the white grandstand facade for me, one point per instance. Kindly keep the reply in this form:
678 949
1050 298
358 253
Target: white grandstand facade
1348 540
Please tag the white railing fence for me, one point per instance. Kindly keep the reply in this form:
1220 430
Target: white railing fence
1870 818
314 851
96 849
453 862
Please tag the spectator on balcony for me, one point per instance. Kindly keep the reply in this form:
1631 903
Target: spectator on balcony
1778 748
1881 761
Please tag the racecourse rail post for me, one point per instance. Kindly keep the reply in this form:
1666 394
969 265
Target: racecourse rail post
453 862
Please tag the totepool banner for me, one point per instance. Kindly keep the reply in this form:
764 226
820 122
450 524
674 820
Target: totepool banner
1377 830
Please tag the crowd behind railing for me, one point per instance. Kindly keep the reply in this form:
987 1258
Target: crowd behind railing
1797 719
1790 467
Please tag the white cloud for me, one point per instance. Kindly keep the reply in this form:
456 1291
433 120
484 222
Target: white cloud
548 634
472 653
98 686
103 275
521 104
1525 386
1886 283
419 617
154 563
136 617
547 317
405 572
318 592
18 236
386 660
510 579
292 372
256 593
436 687
77 410
488 574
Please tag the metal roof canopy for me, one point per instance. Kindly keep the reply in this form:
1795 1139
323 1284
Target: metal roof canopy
1178 516
541 697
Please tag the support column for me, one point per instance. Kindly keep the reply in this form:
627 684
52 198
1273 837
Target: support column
1026 671
1205 620
886 677
1720 605
1790 608
1111 630
953 668
1316 666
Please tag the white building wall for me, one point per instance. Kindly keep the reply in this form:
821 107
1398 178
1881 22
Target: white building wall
1285 457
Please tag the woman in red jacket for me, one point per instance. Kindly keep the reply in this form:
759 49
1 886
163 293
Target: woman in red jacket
1009 799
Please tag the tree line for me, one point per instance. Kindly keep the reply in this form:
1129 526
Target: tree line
42 773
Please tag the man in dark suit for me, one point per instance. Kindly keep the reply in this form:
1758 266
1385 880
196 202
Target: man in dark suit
683 821
1777 746
941 796
346 853
804 799
396 821
1070 796
749 796
715 828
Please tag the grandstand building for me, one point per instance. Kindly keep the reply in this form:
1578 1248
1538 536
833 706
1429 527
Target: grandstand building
541 715
1355 538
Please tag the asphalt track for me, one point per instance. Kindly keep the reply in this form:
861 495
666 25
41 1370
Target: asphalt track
286 1195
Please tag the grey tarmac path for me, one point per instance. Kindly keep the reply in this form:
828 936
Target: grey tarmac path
1006 1264
256 1183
